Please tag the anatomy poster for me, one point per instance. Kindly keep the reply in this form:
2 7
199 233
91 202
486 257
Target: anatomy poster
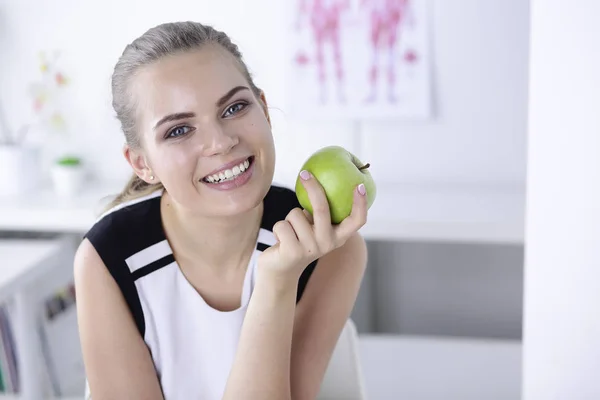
358 59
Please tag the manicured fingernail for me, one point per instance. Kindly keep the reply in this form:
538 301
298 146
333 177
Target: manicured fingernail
305 175
361 189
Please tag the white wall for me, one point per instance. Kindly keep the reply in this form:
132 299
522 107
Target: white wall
562 274
479 53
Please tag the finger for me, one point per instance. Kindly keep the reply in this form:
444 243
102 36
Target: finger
284 233
357 217
303 229
308 216
318 202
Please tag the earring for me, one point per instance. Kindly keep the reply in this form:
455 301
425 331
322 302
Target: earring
151 177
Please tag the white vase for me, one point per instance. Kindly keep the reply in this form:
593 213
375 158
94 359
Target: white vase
19 170
67 181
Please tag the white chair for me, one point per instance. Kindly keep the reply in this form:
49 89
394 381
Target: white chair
343 378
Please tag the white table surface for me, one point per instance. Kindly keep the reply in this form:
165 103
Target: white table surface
434 212
440 368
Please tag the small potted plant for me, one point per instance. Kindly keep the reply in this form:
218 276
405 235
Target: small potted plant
68 175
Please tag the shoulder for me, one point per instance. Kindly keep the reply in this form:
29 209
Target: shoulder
101 264
125 213
124 229
278 202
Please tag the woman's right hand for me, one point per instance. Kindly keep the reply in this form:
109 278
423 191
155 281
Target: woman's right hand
302 238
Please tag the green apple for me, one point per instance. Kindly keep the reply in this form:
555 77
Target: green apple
339 172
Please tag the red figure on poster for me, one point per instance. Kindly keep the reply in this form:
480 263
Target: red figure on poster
324 17
386 17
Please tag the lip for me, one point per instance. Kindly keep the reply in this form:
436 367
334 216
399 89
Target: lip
229 165
235 183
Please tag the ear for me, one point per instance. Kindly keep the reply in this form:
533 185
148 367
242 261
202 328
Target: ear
263 100
139 164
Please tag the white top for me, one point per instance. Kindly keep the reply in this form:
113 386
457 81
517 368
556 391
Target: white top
192 344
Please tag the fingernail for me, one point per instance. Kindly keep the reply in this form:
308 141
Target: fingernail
361 189
305 175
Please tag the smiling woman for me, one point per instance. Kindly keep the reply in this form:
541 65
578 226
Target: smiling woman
201 279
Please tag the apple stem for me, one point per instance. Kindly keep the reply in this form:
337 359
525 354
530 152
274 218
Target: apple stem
367 165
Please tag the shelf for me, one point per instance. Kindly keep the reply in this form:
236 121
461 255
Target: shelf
439 368
418 212
23 265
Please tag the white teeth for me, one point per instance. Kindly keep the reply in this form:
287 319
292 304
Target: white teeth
229 174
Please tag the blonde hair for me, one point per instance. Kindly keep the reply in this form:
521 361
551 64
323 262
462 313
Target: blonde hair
156 43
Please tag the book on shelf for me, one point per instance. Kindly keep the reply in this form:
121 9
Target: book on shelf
61 364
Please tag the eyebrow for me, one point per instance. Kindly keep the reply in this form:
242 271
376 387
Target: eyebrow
229 95
184 115
174 117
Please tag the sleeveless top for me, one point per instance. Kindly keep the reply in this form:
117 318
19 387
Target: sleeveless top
192 344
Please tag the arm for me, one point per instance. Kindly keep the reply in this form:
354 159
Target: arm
322 313
117 362
262 366
262 363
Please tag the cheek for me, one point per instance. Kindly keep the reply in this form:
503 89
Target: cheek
175 163
260 130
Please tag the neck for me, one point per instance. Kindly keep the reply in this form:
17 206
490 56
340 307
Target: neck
223 244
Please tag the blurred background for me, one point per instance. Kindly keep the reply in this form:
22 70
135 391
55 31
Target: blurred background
440 312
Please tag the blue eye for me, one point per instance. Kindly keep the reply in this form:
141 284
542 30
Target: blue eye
234 109
178 131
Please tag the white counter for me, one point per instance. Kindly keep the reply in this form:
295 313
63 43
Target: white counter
46 212
467 213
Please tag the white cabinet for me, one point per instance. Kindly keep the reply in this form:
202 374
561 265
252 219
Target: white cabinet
30 270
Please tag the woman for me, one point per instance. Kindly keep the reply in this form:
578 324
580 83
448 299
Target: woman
204 280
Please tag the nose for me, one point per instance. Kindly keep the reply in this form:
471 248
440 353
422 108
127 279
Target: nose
216 141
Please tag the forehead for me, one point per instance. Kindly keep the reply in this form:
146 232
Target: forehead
189 80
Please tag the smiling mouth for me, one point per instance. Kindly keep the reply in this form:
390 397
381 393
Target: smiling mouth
229 174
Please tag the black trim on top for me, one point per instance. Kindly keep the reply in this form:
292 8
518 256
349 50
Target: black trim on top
127 285
102 236
261 246
153 266
304 278
122 233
